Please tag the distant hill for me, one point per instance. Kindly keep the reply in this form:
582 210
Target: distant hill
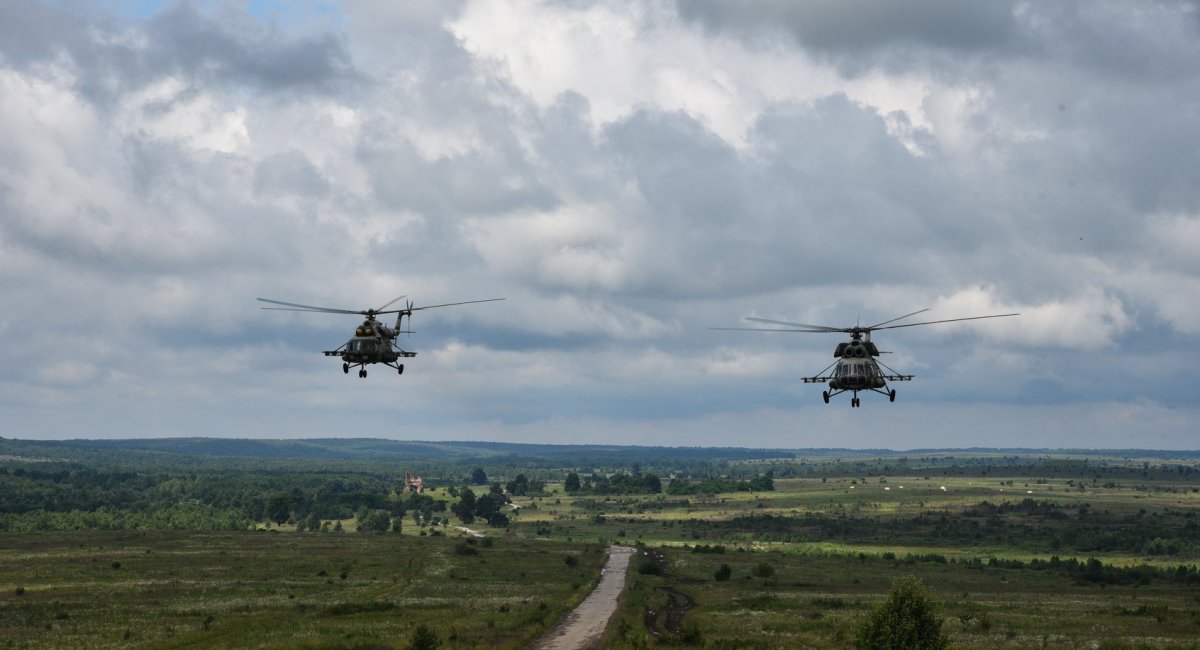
372 449
377 450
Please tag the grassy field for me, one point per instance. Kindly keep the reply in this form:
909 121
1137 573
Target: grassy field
89 589
813 601
1075 555
982 545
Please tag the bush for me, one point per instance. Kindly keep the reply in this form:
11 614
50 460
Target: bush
649 568
905 620
723 573
424 638
764 570
465 549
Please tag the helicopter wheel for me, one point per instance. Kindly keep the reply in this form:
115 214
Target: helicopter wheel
346 368
892 396
825 394
400 369
854 403
362 374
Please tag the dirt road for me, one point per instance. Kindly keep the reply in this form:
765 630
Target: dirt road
581 629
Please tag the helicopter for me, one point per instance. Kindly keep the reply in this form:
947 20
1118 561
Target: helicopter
856 368
373 342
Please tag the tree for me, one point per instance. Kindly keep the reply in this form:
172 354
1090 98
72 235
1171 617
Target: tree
465 508
279 507
424 638
478 476
377 521
572 482
906 620
488 505
723 573
519 486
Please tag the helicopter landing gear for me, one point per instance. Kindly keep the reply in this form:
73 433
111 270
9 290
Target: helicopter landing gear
400 369
854 402
825 394
362 374
892 396
346 368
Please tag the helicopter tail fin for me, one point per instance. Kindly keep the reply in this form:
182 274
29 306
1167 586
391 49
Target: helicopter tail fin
407 311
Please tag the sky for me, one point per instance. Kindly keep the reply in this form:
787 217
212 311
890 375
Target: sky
627 175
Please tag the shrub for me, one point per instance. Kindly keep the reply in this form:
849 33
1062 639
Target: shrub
649 568
424 638
465 549
905 620
723 573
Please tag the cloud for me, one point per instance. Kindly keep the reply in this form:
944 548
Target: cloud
860 33
627 175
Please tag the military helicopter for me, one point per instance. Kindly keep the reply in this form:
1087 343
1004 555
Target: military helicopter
373 341
856 368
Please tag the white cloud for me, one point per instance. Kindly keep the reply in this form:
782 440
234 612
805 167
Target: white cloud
1087 321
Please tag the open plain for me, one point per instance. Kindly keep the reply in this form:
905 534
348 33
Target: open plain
1018 549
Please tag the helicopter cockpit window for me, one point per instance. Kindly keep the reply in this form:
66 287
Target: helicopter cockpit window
362 345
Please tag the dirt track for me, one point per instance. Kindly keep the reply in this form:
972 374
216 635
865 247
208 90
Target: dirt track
583 627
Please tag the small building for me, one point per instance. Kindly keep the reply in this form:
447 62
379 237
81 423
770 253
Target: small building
413 483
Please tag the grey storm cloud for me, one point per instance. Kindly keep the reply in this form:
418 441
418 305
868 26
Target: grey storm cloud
860 33
191 41
180 39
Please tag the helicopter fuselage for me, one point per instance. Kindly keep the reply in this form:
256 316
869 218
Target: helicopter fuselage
368 349
856 374
372 343
856 370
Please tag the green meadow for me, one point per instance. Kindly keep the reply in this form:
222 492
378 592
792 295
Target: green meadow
134 589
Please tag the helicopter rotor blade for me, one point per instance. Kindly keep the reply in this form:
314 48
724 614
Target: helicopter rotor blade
767 329
327 310
808 328
876 325
451 304
386 304
948 320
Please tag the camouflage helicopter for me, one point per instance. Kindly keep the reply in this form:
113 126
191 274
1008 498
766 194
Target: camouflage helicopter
373 342
856 368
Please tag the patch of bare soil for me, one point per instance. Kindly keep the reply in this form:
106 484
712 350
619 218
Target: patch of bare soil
671 616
